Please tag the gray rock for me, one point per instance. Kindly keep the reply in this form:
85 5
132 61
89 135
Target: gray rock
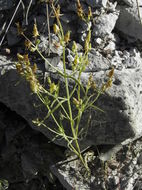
29 169
110 47
69 174
98 41
96 3
133 61
12 36
97 62
116 61
133 3
122 105
83 26
55 46
54 61
104 24
125 59
6 4
129 22
140 159
67 18
108 155
71 7
122 167
44 44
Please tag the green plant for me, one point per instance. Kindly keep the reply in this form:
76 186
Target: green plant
3 184
64 109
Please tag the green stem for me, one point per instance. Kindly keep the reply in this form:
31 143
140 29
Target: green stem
65 136
42 100
78 121
58 99
87 103
69 104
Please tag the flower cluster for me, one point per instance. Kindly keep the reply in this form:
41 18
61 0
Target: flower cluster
25 69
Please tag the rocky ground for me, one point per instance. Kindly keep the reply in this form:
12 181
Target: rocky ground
28 160
25 155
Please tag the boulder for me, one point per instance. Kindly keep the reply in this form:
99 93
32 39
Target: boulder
96 3
6 4
133 3
129 22
121 104
104 24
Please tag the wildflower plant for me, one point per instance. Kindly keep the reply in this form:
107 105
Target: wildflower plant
67 108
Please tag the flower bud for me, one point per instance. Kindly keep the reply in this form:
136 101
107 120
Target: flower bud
74 47
89 13
28 44
20 57
35 31
67 37
56 28
19 28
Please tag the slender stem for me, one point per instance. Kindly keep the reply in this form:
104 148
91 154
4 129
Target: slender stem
66 137
27 13
78 121
58 99
40 96
88 105
17 7
69 104
48 26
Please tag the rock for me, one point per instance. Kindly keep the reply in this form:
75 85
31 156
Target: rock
96 3
12 36
29 167
6 4
133 61
54 61
83 26
44 44
116 61
41 22
7 151
67 18
98 41
133 3
122 104
1 134
28 156
126 59
108 155
70 176
55 46
140 159
120 168
104 24
12 132
97 62
71 7
110 47
129 22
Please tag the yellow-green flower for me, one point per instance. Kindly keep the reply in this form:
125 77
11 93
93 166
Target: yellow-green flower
56 28
35 31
